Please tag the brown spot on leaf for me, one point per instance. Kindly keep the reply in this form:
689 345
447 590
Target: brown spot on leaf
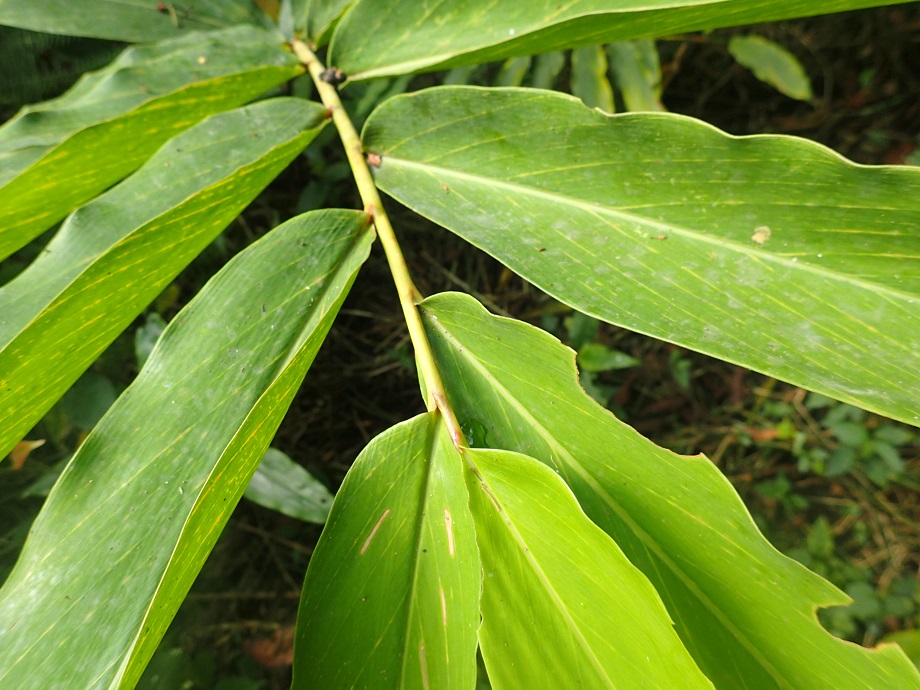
370 537
761 235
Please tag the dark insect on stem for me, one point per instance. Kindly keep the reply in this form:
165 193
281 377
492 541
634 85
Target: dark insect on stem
333 76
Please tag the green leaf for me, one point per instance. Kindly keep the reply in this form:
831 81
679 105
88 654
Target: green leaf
909 641
147 335
115 255
553 581
281 484
317 18
744 611
597 357
773 64
770 252
546 70
88 400
513 71
130 522
637 72
56 155
121 20
400 36
391 595
589 78
850 433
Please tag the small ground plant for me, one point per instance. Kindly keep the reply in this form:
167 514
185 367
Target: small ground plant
517 517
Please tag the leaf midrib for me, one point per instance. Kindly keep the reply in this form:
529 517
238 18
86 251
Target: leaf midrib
729 246
564 612
646 539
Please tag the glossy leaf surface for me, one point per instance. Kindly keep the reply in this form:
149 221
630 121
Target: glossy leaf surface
281 484
387 38
744 611
390 599
56 155
137 510
113 256
124 20
562 607
770 252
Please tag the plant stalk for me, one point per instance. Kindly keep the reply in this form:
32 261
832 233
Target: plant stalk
409 296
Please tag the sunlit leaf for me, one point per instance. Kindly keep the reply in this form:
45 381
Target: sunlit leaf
561 605
386 38
391 595
56 155
113 256
770 252
134 515
134 21
744 611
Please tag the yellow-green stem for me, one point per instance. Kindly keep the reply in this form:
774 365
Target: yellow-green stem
409 296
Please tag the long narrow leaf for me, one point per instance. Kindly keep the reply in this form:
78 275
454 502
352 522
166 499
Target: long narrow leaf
745 612
281 484
770 252
113 256
129 21
134 515
589 79
317 18
391 595
561 605
56 155
637 72
387 38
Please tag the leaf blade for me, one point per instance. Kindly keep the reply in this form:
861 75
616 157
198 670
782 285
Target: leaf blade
409 36
637 71
773 64
769 252
395 578
113 256
589 80
318 18
128 525
129 21
58 154
281 484
738 604
547 567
